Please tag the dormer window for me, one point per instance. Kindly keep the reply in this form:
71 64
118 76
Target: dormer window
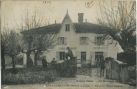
67 27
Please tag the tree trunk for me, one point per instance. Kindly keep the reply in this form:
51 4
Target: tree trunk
13 62
36 58
28 56
29 60
2 59
2 62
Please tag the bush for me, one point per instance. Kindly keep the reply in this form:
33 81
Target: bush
132 75
28 76
67 68
132 72
128 57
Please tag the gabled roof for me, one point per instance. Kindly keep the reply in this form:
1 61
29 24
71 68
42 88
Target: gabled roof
54 28
90 28
80 28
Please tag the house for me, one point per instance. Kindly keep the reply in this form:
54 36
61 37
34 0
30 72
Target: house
84 39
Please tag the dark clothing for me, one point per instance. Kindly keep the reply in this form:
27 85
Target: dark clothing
69 54
102 64
102 67
29 62
53 62
44 63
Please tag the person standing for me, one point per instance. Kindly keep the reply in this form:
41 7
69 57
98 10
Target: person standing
69 54
44 62
53 63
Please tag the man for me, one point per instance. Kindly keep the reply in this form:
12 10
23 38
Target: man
44 62
69 54
53 63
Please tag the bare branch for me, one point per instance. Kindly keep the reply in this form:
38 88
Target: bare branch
120 18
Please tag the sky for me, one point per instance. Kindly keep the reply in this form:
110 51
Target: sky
13 12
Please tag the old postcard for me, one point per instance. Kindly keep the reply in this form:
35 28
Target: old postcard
68 44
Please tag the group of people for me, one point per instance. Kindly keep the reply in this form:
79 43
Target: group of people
34 58
45 63
68 56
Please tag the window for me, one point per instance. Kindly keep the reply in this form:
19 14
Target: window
83 57
99 40
62 55
67 27
98 57
83 40
61 41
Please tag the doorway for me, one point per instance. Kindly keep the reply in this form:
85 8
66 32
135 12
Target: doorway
98 58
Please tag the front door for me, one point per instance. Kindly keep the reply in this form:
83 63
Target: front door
98 57
83 58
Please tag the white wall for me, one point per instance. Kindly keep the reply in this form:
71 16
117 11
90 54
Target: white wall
73 41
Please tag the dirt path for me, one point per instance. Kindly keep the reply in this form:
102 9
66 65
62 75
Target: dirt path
81 81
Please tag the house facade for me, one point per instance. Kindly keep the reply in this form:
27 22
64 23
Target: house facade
83 38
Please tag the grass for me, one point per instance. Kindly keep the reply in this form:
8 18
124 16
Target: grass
29 76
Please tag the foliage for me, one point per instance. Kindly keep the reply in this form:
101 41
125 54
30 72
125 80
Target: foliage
128 57
29 76
35 42
67 68
121 19
4 41
132 72
132 75
11 45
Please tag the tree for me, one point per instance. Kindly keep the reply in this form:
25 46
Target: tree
4 42
42 42
120 17
36 42
12 46
9 45
29 22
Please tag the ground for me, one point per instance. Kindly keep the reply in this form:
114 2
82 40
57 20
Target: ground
80 81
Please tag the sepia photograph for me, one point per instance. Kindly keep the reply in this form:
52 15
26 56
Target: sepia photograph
68 44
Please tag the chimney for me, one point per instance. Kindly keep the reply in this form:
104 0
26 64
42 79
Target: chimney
80 17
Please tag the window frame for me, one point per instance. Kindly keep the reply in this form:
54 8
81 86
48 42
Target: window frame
83 56
99 40
84 40
62 55
61 41
67 27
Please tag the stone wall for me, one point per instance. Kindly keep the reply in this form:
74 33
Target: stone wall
116 70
